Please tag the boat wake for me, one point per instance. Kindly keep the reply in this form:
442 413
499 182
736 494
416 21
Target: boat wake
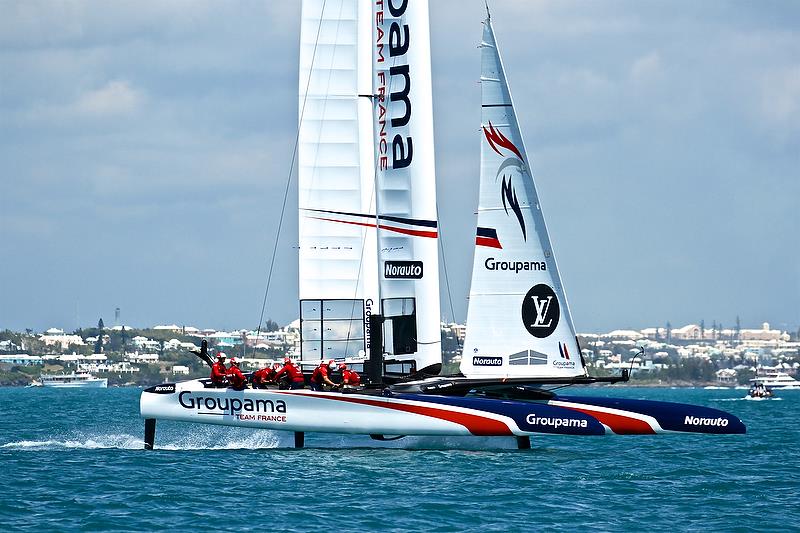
197 439
211 438
757 399
98 442
746 399
205 438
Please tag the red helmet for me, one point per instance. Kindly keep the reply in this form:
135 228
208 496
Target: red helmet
287 360
342 366
234 360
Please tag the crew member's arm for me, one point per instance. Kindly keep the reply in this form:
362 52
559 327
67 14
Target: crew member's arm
327 381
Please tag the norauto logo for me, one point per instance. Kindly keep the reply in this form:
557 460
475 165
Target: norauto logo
487 361
402 270
243 409
697 421
166 388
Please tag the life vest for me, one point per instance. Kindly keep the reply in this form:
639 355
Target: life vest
351 377
236 377
218 372
262 376
319 375
294 373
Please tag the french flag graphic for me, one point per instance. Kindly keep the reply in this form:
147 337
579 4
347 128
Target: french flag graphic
562 349
487 237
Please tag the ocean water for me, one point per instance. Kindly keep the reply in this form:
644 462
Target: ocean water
72 460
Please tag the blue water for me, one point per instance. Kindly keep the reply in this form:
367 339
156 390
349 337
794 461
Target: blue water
72 460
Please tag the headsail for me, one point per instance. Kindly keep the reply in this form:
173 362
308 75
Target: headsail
337 247
518 322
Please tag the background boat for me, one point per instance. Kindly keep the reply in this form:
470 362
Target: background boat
79 379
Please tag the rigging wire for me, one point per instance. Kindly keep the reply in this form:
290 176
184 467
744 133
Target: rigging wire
288 182
446 275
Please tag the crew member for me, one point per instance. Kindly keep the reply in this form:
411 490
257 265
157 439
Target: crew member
295 375
235 376
321 377
218 371
276 367
350 378
261 377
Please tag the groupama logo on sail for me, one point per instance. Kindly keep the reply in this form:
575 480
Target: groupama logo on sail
399 81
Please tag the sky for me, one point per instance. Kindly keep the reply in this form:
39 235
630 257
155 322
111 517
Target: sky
145 148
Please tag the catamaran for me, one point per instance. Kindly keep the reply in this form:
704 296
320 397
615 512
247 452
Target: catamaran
368 256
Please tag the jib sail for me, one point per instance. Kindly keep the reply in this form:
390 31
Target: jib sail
518 322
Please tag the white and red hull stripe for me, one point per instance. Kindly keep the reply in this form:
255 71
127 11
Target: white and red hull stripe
477 422
616 420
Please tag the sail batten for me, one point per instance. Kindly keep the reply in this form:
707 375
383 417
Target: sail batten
517 302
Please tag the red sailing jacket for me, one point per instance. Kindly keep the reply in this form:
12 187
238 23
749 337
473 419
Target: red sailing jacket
295 374
351 377
262 376
235 377
319 375
218 372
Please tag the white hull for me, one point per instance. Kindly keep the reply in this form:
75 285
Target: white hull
779 381
299 410
94 383
424 414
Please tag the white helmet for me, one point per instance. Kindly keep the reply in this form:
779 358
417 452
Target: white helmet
234 360
221 355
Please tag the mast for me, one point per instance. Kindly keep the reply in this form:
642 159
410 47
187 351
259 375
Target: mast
518 321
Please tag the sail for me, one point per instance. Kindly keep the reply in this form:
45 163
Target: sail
518 320
338 269
406 200
367 192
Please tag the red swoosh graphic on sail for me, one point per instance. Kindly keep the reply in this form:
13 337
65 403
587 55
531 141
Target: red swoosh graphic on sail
414 232
477 425
495 137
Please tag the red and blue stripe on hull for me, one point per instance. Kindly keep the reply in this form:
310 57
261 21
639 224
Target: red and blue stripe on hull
569 415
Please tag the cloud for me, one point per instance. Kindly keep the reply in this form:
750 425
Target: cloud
114 98
646 68
780 96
